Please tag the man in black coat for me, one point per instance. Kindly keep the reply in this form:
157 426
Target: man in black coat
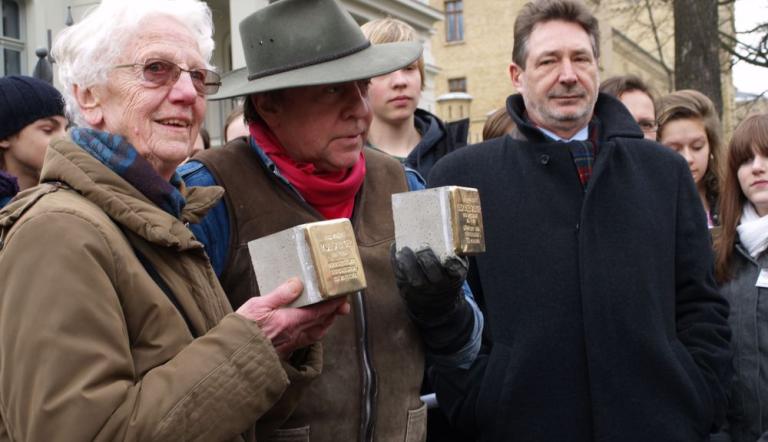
603 317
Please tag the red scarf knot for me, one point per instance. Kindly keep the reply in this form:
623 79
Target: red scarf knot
330 193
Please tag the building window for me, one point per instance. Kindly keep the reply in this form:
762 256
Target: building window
454 20
457 84
11 44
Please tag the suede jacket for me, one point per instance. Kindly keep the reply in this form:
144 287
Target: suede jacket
373 358
604 319
92 348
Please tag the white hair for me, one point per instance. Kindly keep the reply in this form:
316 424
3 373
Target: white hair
86 51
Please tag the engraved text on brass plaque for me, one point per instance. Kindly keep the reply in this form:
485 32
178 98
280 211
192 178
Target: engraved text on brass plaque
337 261
467 220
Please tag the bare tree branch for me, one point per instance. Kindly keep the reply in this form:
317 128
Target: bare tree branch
659 47
754 55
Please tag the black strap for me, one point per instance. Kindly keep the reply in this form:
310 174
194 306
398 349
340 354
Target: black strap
161 283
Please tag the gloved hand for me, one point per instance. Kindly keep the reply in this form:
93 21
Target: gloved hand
433 293
430 289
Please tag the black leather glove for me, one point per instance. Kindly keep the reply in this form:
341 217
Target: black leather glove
434 296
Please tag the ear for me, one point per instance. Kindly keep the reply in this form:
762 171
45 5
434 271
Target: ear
515 74
90 105
267 108
5 144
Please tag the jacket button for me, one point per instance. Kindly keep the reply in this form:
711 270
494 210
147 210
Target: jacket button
544 159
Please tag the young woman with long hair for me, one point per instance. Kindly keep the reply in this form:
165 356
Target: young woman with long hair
741 267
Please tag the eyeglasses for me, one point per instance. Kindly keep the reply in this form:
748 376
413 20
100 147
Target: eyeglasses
163 72
648 125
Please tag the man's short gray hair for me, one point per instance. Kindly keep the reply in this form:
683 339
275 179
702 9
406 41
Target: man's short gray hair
541 11
86 51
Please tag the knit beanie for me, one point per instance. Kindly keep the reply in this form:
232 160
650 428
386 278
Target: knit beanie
24 100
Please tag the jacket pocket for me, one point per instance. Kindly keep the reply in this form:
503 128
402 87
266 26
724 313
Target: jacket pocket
416 428
700 399
300 434
494 386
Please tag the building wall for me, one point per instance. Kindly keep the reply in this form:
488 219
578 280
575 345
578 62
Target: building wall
482 58
628 44
638 38
634 39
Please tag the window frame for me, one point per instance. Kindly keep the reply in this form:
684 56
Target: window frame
454 20
12 43
460 81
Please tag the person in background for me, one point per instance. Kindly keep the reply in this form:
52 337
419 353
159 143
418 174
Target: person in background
688 124
399 128
205 138
414 137
234 125
639 99
202 142
31 115
498 124
126 334
604 320
741 260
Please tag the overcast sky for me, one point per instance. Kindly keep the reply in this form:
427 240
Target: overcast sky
748 78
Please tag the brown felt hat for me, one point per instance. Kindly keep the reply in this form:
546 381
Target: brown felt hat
293 43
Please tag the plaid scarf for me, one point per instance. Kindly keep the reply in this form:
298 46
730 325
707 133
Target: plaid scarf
584 153
121 157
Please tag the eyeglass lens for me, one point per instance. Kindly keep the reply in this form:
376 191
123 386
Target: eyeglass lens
161 73
647 126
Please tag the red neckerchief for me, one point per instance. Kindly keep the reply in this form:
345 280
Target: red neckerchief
330 193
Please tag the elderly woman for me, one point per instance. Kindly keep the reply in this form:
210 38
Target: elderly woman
112 323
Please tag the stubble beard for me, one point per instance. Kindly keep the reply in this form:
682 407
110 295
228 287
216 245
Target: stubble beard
565 121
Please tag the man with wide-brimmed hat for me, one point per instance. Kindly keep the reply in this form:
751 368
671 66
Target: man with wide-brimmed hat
306 84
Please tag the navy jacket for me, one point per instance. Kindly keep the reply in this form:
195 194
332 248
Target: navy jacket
9 187
604 318
437 140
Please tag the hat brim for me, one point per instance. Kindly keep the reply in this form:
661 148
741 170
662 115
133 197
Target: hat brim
371 62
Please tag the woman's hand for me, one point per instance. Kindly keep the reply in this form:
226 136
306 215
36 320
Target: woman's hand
291 328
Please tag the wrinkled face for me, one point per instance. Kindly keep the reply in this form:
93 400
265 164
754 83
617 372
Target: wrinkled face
23 153
641 107
395 96
753 179
325 125
161 122
559 82
688 137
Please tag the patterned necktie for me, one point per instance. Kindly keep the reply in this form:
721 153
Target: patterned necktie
583 153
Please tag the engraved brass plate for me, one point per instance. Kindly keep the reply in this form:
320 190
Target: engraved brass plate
467 221
338 267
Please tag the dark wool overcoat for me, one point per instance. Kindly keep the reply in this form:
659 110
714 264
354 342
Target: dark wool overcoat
604 321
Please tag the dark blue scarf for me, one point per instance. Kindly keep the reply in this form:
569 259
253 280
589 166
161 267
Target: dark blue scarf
9 187
121 157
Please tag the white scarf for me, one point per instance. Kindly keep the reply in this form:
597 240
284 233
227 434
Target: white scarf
753 230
